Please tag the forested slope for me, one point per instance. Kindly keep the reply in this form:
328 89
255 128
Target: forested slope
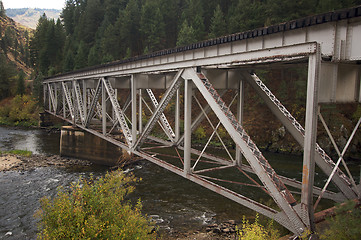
92 32
14 54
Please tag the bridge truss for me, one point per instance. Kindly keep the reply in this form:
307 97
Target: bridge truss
120 103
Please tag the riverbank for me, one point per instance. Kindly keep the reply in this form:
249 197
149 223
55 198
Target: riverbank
16 162
13 162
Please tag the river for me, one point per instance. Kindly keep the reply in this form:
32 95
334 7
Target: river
175 203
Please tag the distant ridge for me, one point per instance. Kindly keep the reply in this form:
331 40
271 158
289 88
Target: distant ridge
29 16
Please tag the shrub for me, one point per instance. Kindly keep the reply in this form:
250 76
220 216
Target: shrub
200 133
20 111
255 231
94 210
345 224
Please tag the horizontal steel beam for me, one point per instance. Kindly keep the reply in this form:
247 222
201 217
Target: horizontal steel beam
275 54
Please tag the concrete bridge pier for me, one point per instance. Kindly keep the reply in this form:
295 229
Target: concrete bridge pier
77 143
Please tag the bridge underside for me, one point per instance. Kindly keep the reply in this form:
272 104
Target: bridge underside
145 107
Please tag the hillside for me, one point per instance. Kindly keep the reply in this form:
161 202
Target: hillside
14 40
29 16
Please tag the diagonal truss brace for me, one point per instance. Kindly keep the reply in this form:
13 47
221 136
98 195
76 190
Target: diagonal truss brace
158 112
338 162
297 131
164 121
118 111
68 100
79 100
259 164
94 103
52 98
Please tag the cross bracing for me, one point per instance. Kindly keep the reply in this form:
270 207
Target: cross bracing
159 90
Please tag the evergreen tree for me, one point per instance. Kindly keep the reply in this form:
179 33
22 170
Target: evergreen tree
6 74
94 56
129 28
186 35
112 8
328 5
171 10
246 15
2 9
199 28
38 88
20 85
109 43
81 58
218 24
47 44
90 21
152 26
68 18
68 64
194 16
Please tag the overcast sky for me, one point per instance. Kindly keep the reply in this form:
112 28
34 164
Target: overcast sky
48 4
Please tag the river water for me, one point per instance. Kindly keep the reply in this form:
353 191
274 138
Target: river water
175 203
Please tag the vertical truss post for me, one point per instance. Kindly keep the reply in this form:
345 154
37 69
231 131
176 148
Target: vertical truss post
307 212
198 120
116 97
140 112
177 116
159 110
85 99
104 110
51 98
79 100
240 106
187 125
94 103
64 104
55 97
133 92
44 95
73 100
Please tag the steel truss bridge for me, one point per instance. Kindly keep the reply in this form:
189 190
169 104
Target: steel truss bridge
120 103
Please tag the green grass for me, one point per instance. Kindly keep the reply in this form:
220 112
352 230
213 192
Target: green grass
24 153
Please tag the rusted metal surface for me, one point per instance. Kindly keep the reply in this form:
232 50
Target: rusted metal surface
122 125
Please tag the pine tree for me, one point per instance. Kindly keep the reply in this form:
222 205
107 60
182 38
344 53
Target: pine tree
152 26
171 11
186 35
246 15
109 43
68 18
81 58
129 28
194 15
218 24
20 86
6 74
199 28
68 64
2 10
94 56
38 88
